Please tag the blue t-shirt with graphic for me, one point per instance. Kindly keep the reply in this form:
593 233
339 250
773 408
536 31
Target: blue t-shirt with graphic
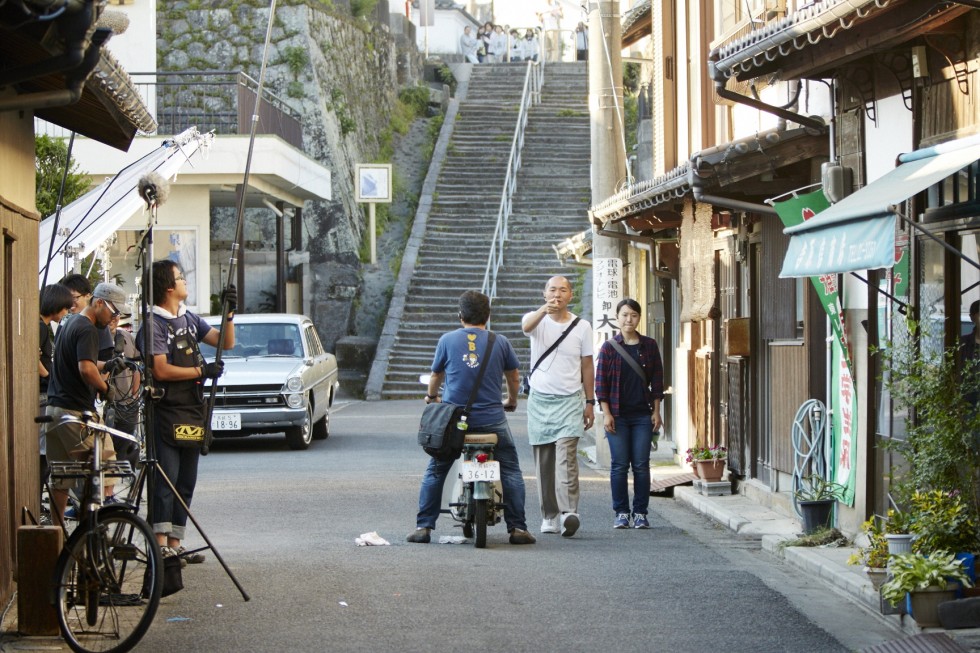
459 354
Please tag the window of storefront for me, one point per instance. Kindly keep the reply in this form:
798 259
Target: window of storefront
178 244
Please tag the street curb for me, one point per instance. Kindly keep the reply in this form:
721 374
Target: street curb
826 563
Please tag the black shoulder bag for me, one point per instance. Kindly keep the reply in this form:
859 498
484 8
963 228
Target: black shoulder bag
443 426
526 380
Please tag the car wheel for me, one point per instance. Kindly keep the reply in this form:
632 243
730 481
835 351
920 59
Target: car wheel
321 429
299 437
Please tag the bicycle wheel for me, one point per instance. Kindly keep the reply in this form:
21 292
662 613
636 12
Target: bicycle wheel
108 585
481 523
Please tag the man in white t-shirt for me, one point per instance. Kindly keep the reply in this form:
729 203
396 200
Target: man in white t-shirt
560 405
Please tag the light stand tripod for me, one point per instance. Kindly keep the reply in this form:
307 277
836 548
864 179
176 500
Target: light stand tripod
152 189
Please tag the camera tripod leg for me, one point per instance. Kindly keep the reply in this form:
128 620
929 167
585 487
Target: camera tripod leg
190 515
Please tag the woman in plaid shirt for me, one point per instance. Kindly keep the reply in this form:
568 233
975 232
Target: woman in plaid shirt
631 412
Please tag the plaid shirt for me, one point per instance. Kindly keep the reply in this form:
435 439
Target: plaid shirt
610 366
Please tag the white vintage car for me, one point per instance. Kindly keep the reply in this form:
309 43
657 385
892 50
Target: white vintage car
278 378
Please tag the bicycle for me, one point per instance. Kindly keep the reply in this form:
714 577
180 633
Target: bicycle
109 576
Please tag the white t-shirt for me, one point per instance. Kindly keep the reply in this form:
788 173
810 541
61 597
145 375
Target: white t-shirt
561 372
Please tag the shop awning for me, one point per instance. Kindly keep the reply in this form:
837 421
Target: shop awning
858 233
88 221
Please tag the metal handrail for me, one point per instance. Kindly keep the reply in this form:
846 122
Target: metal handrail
221 100
533 80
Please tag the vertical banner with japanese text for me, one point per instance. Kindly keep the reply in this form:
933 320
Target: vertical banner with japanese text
843 407
607 291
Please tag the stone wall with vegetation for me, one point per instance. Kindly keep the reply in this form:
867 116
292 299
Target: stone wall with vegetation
341 72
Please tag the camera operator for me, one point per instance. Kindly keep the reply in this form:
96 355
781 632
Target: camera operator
76 379
179 415
123 413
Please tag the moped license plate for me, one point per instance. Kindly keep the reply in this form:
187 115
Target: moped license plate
474 471
226 422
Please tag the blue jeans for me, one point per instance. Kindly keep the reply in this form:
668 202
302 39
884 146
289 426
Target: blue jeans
430 494
630 444
180 466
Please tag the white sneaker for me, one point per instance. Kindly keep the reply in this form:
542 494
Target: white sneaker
549 525
569 524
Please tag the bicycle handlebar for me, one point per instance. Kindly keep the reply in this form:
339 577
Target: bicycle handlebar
86 420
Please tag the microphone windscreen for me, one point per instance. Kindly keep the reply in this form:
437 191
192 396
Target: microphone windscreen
153 188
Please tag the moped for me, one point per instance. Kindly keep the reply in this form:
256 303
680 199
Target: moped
479 494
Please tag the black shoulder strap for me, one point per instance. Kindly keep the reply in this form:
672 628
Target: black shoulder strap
491 336
629 360
554 346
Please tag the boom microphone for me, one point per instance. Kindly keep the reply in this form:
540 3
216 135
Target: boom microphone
153 188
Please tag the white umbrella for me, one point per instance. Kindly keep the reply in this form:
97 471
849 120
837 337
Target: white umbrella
90 220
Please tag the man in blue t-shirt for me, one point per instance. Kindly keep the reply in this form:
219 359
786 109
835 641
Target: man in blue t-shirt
457 362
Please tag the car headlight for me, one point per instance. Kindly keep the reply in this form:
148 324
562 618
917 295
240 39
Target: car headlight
294 384
295 400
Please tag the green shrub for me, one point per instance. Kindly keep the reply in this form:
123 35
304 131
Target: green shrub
296 59
359 8
296 90
415 97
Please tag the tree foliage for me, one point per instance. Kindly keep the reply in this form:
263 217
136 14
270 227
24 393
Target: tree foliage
938 396
50 155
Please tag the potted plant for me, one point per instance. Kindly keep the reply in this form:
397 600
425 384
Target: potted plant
815 499
874 555
936 391
898 531
943 521
926 579
709 461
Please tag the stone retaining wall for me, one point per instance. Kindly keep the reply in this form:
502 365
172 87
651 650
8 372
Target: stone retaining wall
343 75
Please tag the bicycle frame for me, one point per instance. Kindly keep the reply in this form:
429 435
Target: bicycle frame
109 577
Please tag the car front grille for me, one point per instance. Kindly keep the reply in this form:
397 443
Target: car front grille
253 396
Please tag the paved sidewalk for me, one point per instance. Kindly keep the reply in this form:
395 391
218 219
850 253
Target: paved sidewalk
749 518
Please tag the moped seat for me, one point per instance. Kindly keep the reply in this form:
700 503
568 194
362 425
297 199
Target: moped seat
480 438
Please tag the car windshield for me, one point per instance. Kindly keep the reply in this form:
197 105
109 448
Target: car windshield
262 339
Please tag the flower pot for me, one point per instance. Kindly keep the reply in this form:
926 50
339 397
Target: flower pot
899 543
711 470
925 605
694 470
877 576
816 514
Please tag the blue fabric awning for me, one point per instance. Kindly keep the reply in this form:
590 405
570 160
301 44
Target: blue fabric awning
858 233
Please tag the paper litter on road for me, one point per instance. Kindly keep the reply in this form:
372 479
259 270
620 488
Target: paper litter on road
453 539
371 539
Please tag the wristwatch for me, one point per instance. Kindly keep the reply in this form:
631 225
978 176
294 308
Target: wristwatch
590 402
431 397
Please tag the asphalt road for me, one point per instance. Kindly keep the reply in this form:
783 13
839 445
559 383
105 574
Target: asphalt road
285 522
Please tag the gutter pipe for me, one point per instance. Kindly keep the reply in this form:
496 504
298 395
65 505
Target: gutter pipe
813 122
697 189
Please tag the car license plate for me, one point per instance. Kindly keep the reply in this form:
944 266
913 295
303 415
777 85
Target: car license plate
226 422
474 471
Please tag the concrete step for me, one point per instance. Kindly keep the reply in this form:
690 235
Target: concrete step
452 257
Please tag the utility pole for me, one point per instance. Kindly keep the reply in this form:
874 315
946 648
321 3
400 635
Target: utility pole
609 172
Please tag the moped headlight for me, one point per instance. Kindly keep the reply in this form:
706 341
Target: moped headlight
294 384
294 400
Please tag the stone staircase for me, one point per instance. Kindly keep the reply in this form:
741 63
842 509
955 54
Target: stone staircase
550 204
